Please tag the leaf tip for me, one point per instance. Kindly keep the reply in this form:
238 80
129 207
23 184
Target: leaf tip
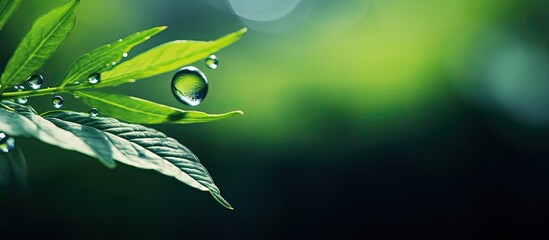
243 30
239 112
162 28
221 200
108 163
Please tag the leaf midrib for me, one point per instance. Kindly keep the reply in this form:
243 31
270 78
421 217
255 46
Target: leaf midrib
129 75
122 106
106 132
40 45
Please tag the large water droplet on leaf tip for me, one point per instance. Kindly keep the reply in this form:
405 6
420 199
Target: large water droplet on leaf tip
94 112
94 78
212 62
190 86
7 143
57 101
35 81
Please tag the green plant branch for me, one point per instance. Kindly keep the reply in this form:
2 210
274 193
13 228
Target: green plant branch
40 92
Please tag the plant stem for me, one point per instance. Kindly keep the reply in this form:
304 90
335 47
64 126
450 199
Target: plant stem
39 92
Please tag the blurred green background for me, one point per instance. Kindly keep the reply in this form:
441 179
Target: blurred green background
391 118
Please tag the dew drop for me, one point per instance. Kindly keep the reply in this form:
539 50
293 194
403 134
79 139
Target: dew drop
190 86
57 101
212 62
94 78
125 54
113 63
7 143
94 112
22 100
35 81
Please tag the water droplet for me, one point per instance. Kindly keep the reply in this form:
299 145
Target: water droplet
94 78
35 81
94 112
190 86
125 54
212 62
57 101
7 143
22 100
113 63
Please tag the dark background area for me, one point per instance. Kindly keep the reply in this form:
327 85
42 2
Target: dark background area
363 119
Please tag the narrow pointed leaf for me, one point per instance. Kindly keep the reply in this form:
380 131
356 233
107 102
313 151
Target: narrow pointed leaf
7 8
101 58
45 36
24 122
142 147
164 58
136 110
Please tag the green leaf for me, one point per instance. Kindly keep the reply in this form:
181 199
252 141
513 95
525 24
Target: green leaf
141 147
164 58
24 122
136 110
45 36
7 8
107 139
100 59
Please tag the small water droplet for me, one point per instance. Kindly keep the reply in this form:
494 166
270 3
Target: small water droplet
113 63
94 78
57 101
212 62
125 54
35 81
120 40
190 86
22 100
19 88
94 112
7 143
